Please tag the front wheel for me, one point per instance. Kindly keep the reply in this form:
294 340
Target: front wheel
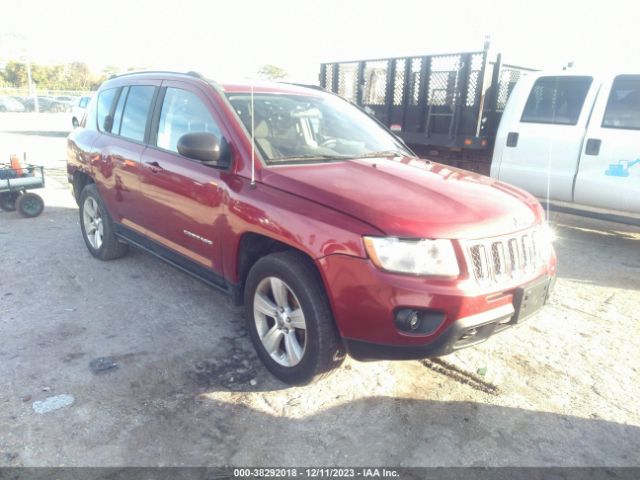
289 319
97 228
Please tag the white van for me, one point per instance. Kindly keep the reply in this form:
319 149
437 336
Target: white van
573 140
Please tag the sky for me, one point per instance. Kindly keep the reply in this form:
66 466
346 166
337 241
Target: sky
228 40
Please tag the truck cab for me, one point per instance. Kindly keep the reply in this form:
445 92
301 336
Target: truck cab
573 140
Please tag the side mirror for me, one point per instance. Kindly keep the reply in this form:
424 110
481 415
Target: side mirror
204 147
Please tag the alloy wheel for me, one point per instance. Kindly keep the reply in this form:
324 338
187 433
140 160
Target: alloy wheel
280 321
92 219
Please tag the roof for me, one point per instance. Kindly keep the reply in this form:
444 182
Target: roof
246 86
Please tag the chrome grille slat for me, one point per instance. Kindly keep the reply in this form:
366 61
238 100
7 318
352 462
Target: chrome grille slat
499 259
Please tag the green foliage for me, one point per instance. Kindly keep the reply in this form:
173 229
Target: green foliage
272 72
70 76
15 74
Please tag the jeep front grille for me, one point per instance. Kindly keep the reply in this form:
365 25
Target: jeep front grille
500 259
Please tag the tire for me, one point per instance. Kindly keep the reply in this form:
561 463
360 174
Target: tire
97 227
300 348
8 201
75 122
29 205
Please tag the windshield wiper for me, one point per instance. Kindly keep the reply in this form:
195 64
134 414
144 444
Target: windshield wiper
385 153
309 157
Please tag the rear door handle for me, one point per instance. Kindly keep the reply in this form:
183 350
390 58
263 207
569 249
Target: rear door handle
154 166
512 139
593 146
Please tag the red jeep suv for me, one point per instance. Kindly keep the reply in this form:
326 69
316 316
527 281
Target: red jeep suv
332 233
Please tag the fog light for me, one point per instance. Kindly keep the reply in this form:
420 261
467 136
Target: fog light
418 321
413 321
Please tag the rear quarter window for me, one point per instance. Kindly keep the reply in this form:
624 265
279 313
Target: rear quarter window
105 102
556 100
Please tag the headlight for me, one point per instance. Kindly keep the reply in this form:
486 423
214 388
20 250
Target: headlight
417 257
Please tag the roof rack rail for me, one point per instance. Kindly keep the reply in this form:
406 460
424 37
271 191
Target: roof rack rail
190 73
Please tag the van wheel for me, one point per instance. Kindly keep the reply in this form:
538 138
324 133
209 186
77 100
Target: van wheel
289 319
97 228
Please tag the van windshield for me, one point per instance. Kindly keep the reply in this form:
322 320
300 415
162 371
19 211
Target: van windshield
291 128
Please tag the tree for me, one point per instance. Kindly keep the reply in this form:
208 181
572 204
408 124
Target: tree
272 72
69 76
77 76
15 73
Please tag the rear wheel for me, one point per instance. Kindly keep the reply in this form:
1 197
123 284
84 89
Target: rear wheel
75 122
29 205
97 228
8 201
289 319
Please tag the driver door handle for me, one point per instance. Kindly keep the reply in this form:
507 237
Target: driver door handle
593 146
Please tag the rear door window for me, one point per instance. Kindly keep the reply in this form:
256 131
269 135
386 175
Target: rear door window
136 112
623 106
556 100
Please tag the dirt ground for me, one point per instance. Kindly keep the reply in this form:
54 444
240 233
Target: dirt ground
561 389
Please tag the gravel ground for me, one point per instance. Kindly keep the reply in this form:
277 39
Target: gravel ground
561 389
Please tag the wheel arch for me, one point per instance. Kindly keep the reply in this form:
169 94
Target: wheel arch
80 180
254 246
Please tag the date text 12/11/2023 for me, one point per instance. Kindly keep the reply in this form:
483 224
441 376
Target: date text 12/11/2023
324 472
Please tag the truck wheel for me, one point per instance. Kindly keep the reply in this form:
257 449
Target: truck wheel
289 319
8 201
75 122
97 228
30 205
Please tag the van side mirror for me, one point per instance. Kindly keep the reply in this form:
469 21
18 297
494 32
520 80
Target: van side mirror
204 147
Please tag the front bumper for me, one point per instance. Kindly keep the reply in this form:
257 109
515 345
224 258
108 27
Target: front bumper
365 299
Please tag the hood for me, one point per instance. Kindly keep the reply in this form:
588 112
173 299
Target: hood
411 198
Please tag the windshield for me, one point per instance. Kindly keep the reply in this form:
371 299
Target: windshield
300 128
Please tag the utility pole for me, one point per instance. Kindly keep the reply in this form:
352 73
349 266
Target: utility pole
487 42
32 90
17 43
